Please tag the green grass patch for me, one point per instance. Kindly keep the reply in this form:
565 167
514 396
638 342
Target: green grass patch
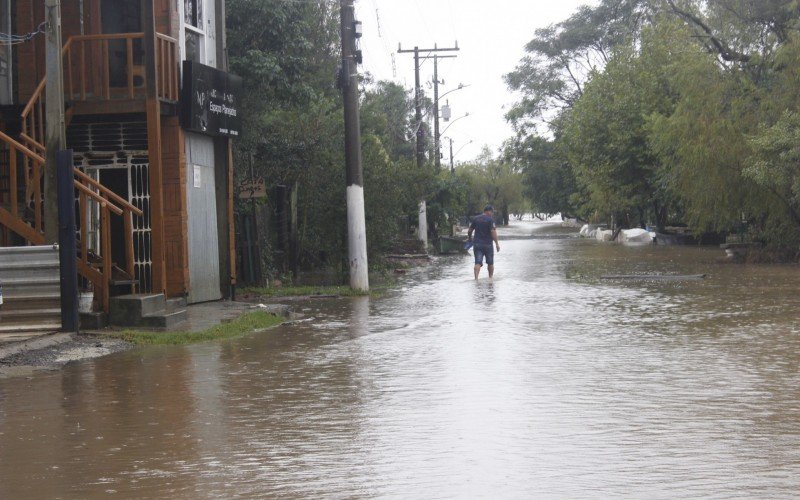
304 291
247 323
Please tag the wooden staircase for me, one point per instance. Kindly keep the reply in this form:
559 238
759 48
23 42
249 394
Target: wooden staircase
87 78
25 217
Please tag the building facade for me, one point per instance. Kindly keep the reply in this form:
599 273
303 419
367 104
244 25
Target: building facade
150 114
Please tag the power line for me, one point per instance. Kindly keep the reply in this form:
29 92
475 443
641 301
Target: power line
422 18
451 18
384 42
377 20
10 39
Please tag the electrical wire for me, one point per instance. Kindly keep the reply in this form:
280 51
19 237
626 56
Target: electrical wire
10 39
383 39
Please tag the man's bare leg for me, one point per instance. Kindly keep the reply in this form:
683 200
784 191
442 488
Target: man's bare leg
491 270
477 270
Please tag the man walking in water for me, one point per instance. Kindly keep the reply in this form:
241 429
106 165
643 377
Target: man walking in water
485 234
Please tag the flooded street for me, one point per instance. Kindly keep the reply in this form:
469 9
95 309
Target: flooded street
547 382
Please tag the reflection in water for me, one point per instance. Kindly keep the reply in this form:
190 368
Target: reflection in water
529 385
484 295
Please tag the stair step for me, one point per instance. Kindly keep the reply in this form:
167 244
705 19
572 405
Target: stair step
166 320
30 316
48 326
176 304
28 262
93 320
128 310
31 301
29 286
29 249
27 270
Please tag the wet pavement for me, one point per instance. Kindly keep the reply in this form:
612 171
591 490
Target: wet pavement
545 382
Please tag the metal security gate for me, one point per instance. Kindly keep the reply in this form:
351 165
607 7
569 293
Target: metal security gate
116 155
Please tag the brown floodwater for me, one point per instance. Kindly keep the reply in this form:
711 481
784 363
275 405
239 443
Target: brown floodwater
547 382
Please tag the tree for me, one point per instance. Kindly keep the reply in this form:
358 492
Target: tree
548 179
606 133
561 58
387 111
494 181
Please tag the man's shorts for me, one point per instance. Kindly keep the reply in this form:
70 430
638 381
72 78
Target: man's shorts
482 251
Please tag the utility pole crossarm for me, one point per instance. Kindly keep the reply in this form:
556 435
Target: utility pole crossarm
435 48
420 150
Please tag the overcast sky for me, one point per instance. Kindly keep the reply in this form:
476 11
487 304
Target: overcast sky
491 36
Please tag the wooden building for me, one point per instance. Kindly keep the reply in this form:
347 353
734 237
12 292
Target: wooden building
150 116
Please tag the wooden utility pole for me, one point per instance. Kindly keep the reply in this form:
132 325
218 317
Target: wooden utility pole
418 94
356 223
55 138
420 133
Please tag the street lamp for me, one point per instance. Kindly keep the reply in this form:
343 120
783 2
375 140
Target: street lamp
460 86
452 122
453 155
462 147
446 112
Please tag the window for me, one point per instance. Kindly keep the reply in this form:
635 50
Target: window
194 32
193 13
194 47
198 36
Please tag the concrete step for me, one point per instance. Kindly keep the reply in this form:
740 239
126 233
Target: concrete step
165 320
31 286
30 251
34 286
32 301
93 320
14 328
128 310
176 304
35 256
30 316
36 269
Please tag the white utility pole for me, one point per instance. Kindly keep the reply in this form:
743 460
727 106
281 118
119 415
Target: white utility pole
356 223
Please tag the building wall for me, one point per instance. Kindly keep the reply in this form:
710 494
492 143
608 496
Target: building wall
176 217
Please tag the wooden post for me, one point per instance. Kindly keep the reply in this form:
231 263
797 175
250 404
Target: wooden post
105 250
231 228
12 179
129 260
68 270
153 107
83 206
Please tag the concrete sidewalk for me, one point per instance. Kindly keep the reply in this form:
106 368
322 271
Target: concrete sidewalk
209 314
25 352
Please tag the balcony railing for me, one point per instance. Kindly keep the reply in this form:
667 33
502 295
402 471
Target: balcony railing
105 68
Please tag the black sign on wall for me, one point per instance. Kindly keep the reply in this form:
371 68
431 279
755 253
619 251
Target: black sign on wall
211 100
